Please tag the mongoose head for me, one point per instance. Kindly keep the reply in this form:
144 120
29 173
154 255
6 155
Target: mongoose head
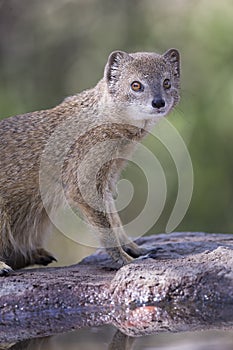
144 85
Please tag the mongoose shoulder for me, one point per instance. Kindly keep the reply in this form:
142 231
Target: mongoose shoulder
74 153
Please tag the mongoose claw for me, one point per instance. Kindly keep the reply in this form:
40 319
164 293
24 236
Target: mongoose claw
5 270
151 254
45 260
42 257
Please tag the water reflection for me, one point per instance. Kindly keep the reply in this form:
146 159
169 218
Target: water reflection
105 338
145 327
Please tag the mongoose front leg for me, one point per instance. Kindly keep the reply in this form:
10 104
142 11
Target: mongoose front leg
108 235
128 245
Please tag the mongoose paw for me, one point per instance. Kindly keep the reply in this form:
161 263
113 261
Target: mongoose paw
42 257
135 252
5 270
125 259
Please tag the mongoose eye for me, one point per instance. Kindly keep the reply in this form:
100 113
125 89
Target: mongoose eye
136 86
167 84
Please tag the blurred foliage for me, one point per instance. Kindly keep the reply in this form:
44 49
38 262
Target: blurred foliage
51 49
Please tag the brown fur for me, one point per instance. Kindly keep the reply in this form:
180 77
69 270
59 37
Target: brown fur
111 113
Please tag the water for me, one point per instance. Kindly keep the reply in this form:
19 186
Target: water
103 338
183 327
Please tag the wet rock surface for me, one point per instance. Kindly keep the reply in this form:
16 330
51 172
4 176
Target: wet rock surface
186 283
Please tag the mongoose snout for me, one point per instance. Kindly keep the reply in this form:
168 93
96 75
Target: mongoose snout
158 103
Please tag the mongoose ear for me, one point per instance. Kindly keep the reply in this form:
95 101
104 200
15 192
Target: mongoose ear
115 60
173 57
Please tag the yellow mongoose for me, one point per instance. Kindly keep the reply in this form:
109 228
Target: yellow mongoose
136 91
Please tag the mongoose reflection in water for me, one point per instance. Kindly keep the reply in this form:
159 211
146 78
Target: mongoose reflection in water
95 129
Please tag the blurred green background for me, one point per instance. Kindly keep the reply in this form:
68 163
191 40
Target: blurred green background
53 48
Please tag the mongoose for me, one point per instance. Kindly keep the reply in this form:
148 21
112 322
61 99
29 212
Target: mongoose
64 146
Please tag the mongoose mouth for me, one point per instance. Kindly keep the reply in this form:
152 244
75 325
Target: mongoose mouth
160 112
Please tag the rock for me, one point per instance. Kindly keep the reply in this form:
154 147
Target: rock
185 283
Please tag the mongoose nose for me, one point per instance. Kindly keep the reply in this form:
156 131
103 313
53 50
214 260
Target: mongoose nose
158 103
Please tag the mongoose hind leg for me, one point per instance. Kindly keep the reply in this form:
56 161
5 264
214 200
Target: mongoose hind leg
36 257
41 257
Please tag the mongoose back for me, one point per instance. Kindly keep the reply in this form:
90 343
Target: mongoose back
135 92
